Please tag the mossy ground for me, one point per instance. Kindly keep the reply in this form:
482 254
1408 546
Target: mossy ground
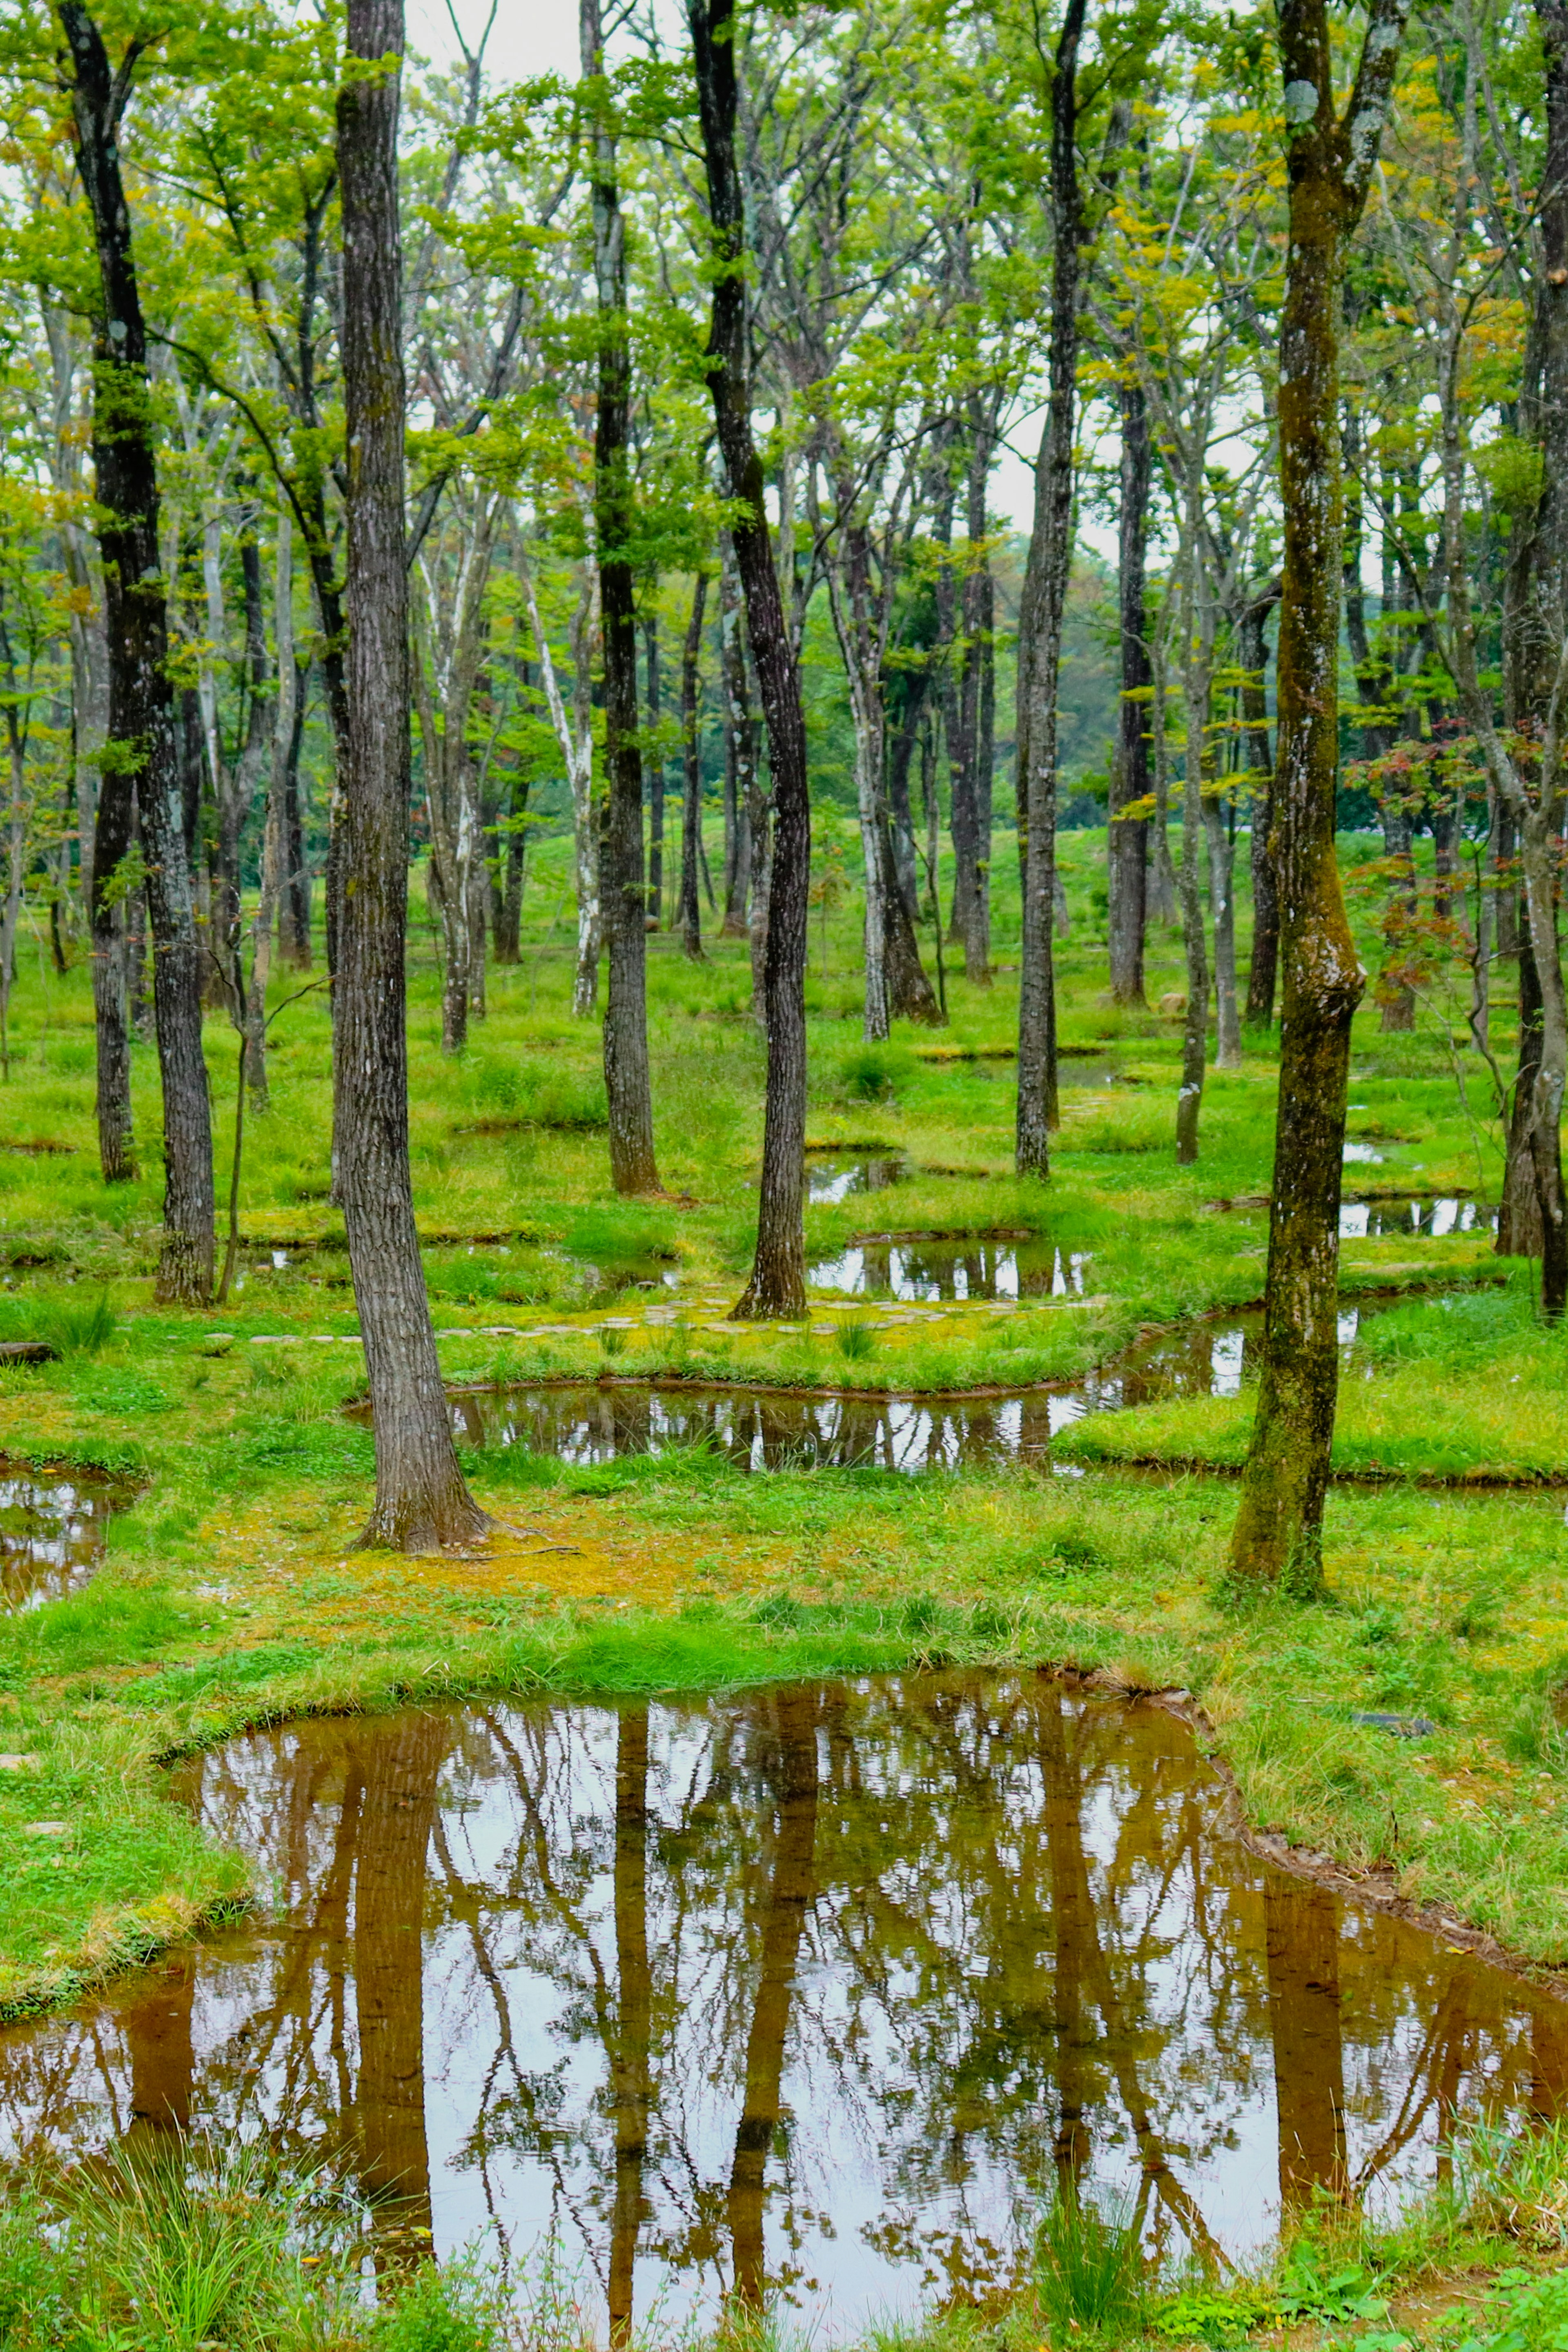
231 1591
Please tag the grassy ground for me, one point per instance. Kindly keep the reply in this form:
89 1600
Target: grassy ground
231 1593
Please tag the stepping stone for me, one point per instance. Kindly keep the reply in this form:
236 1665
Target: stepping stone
45 1829
28 1351
19 1763
1398 1727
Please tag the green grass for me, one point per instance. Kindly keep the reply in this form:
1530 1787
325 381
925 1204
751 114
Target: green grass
231 1595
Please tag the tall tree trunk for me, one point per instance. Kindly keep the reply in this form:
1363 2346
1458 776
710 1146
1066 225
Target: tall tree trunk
1278 1536
1195 1033
294 908
1222 909
1301 1947
421 1499
1262 971
1041 611
1127 840
628 1080
688 911
778 1283
739 751
657 771
140 702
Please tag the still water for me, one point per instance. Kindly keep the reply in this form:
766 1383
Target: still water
817 1990
51 1531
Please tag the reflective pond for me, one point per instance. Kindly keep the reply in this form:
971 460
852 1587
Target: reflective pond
1413 1214
954 1267
831 1179
52 1526
779 1430
817 1990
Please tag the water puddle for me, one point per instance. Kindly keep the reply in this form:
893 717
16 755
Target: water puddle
937 1270
837 1179
52 1526
814 1992
753 1431
1411 1215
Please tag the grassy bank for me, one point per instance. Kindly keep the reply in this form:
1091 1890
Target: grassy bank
197 2250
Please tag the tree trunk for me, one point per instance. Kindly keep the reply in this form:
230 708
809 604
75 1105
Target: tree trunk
1277 1537
294 908
628 1080
1263 969
1519 1215
778 1283
1194 1034
1127 840
689 913
1041 611
631 2087
656 769
1222 908
140 702
739 751
421 1499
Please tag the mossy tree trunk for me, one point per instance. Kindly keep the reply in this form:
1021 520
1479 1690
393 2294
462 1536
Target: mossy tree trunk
1278 1536
421 1499
141 762
628 1082
777 1282
1042 609
1127 842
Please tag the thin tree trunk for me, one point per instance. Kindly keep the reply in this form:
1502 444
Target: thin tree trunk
1127 840
1041 612
739 751
1222 908
631 2087
656 769
688 912
141 698
294 908
421 1499
1277 1537
778 1283
1252 648
628 1079
1194 1034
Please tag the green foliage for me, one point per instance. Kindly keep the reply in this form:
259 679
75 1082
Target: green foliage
453 2308
1088 2269
854 1340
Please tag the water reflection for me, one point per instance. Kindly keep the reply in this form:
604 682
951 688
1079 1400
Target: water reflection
937 1270
837 1179
51 1531
1413 1214
818 1991
780 1431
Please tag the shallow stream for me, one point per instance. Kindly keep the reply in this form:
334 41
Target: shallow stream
817 1990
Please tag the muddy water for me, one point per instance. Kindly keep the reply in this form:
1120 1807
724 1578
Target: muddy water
601 1423
817 1990
52 1526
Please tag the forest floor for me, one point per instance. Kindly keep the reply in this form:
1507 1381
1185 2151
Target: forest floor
231 1593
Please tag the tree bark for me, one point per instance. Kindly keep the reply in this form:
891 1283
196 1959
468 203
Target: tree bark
688 912
1278 1536
656 769
739 751
141 762
1041 611
1262 971
628 1080
1195 1032
777 1281
421 1499
631 2087
1127 843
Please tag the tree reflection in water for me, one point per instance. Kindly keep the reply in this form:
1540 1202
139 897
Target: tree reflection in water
824 1990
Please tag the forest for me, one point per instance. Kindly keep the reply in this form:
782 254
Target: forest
782 1046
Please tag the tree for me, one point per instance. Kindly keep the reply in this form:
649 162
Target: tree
140 773
778 1283
421 1499
1278 1536
627 1080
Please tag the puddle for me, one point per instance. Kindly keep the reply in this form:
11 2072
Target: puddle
585 1424
837 1179
934 1271
1413 1214
1363 1155
51 1531
813 1993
